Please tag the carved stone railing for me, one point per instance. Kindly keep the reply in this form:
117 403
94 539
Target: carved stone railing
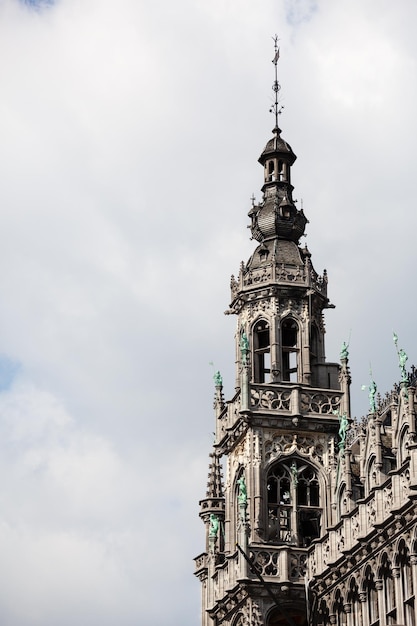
324 403
271 398
200 562
265 561
282 563
293 400
279 273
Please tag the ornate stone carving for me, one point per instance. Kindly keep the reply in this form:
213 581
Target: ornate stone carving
277 444
265 562
274 400
319 402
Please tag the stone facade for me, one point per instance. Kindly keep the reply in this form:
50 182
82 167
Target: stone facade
309 517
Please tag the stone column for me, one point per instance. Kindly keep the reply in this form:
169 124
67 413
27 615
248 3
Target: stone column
380 598
399 600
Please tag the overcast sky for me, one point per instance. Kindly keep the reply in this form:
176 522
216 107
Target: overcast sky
130 133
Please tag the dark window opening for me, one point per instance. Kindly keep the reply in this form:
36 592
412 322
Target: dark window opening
308 488
309 529
262 352
289 334
299 618
314 345
293 499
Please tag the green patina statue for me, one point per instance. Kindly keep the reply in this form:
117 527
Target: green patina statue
343 428
402 356
344 352
243 494
244 347
402 359
372 394
214 525
218 380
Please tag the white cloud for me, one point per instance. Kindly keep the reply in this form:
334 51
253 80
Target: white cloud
130 134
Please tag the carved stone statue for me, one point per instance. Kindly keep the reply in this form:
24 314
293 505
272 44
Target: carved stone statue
344 352
372 394
343 427
294 472
218 380
244 347
214 525
402 358
243 494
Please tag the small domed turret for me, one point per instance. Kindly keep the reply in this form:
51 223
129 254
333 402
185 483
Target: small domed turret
277 215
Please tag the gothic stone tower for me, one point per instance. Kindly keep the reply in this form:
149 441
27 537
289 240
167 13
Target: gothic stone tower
278 438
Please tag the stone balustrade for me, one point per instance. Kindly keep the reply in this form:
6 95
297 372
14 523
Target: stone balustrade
294 400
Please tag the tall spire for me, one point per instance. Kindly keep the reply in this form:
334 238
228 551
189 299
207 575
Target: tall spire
276 216
276 87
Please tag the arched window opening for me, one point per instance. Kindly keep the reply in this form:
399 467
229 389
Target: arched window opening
282 170
279 617
403 446
371 598
407 588
343 501
262 348
293 498
279 505
339 610
372 474
355 603
389 590
270 170
289 337
389 462
238 621
308 501
322 614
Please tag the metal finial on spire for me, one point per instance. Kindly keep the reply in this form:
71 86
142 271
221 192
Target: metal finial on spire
276 87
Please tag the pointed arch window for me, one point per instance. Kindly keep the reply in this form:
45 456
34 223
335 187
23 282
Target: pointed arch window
289 339
270 165
407 589
293 498
339 610
355 603
282 174
323 614
371 597
280 618
388 590
262 349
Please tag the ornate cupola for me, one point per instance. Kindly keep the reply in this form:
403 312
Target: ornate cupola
278 439
277 216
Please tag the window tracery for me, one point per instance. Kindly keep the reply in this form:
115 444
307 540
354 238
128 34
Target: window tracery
293 499
289 338
262 351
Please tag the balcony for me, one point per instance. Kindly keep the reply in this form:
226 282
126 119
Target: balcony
294 400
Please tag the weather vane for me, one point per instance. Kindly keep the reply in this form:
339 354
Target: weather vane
276 87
